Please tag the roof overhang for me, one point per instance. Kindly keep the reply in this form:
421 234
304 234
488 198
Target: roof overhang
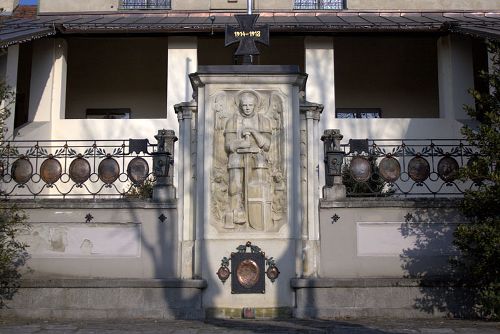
480 24
17 35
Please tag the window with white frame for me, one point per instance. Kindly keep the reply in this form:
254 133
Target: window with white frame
320 4
145 4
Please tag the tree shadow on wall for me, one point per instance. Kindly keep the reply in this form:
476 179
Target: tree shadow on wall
440 284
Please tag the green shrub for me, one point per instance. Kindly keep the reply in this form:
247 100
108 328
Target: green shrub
13 253
479 240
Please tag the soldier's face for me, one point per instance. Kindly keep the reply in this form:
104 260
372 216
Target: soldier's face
247 105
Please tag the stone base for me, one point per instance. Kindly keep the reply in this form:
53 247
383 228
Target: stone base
257 313
163 193
378 297
335 193
107 299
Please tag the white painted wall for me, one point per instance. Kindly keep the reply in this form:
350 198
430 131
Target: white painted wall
48 6
10 74
42 79
423 4
456 76
8 5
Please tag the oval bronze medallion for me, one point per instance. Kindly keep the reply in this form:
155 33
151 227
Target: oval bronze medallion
50 170
79 170
448 169
389 169
108 170
360 169
248 273
137 170
418 169
21 170
479 169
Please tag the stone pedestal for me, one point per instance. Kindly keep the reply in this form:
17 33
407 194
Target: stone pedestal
251 140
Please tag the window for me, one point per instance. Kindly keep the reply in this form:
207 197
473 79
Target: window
145 4
320 4
108 113
358 113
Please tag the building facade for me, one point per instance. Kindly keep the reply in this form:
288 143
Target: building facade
392 76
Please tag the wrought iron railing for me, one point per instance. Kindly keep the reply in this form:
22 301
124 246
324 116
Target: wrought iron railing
145 4
408 167
75 168
320 4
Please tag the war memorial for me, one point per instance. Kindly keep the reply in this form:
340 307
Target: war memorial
250 199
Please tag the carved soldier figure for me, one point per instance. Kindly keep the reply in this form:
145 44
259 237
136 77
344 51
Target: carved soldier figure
247 141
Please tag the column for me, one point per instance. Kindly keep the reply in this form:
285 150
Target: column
11 82
185 204
60 70
41 85
182 60
319 63
310 225
455 76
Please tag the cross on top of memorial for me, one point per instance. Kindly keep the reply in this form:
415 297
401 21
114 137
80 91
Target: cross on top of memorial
247 34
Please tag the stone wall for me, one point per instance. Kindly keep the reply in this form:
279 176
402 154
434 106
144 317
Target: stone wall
105 238
381 237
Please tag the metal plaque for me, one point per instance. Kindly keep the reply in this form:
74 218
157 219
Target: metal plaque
248 273
50 170
108 170
479 167
21 170
418 169
138 170
360 169
448 169
79 170
389 169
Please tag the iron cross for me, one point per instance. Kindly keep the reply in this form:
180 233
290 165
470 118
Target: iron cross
247 34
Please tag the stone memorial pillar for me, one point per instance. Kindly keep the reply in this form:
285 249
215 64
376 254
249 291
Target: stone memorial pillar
241 174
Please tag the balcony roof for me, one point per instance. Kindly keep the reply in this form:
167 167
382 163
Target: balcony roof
481 24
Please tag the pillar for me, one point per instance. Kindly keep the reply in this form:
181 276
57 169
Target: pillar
60 70
182 60
455 76
11 82
310 117
319 66
185 204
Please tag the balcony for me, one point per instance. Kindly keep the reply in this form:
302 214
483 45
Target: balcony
319 4
145 4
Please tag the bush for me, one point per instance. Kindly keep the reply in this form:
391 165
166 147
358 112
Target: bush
13 253
479 240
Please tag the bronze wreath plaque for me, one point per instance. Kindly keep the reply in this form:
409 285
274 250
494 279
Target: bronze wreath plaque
108 170
248 273
448 169
248 269
79 170
50 170
138 170
390 169
419 169
21 170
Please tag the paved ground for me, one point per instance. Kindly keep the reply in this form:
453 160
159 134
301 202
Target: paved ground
368 326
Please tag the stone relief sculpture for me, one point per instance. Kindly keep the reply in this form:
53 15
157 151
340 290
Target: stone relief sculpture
248 178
